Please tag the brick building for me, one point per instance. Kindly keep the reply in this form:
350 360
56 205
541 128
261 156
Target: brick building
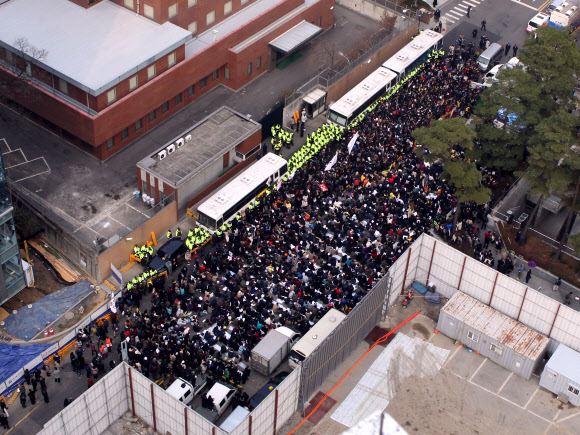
112 70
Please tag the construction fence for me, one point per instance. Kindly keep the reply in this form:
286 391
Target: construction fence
125 389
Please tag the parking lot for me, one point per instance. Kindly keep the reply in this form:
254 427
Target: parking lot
469 395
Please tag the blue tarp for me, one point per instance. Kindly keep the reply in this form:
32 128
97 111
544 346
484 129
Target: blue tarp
28 322
14 357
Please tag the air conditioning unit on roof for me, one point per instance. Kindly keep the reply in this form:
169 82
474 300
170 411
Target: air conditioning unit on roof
170 149
180 142
162 155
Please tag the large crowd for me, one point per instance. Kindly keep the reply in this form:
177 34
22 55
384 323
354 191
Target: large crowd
321 239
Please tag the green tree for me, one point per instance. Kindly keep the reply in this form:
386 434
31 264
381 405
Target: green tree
451 142
529 94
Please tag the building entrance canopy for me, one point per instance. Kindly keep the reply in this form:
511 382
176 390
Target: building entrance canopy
296 37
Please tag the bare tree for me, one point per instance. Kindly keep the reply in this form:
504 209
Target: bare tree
20 64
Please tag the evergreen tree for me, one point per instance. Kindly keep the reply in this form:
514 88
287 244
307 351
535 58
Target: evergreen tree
451 142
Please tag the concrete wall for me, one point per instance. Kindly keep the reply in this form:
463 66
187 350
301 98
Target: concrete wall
119 253
368 9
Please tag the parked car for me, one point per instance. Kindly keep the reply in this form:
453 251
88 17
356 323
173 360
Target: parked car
491 77
263 392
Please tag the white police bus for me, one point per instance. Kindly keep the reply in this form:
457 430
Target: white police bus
235 196
380 81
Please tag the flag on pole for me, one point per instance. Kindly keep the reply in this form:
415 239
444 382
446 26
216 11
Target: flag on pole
352 142
331 163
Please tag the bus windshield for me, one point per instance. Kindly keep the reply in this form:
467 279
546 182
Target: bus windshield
339 119
206 221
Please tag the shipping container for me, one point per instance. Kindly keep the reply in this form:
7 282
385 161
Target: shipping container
561 374
494 335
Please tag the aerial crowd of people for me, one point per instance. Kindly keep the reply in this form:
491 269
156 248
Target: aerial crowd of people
321 239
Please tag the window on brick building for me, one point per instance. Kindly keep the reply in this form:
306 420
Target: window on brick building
110 143
111 95
129 4
165 107
190 90
148 11
250 68
228 7
171 59
192 27
124 134
172 10
191 3
203 83
178 99
138 124
151 72
244 2
29 69
63 86
133 82
259 62
210 18
152 116
227 73
319 21
215 74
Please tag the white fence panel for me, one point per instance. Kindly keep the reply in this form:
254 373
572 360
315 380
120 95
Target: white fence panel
288 397
538 312
142 397
567 327
168 413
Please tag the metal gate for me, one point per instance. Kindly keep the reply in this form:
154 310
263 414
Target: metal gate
273 117
344 339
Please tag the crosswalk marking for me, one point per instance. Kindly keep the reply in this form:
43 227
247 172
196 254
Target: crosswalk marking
459 11
473 5
461 8
475 1
449 20
455 15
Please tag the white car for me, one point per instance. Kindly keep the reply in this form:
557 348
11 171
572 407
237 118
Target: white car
491 77
539 20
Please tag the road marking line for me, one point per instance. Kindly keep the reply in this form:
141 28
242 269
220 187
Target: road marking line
505 382
13 427
570 416
544 5
480 366
449 20
461 8
475 1
528 402
459 11
449 359
523 4
453 15
471 4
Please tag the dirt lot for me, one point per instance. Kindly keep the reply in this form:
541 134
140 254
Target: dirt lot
469 395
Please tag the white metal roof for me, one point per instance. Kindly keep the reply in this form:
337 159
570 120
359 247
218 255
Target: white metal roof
496 325
566 362
295 37
228 25
412 51
94 48
358 95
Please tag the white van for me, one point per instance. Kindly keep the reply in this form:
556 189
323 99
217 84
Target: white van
490 57
222 396
317 334
184 391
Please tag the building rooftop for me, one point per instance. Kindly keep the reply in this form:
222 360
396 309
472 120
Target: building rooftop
203 143
295 37
224 28
566 362
94 48
497 326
